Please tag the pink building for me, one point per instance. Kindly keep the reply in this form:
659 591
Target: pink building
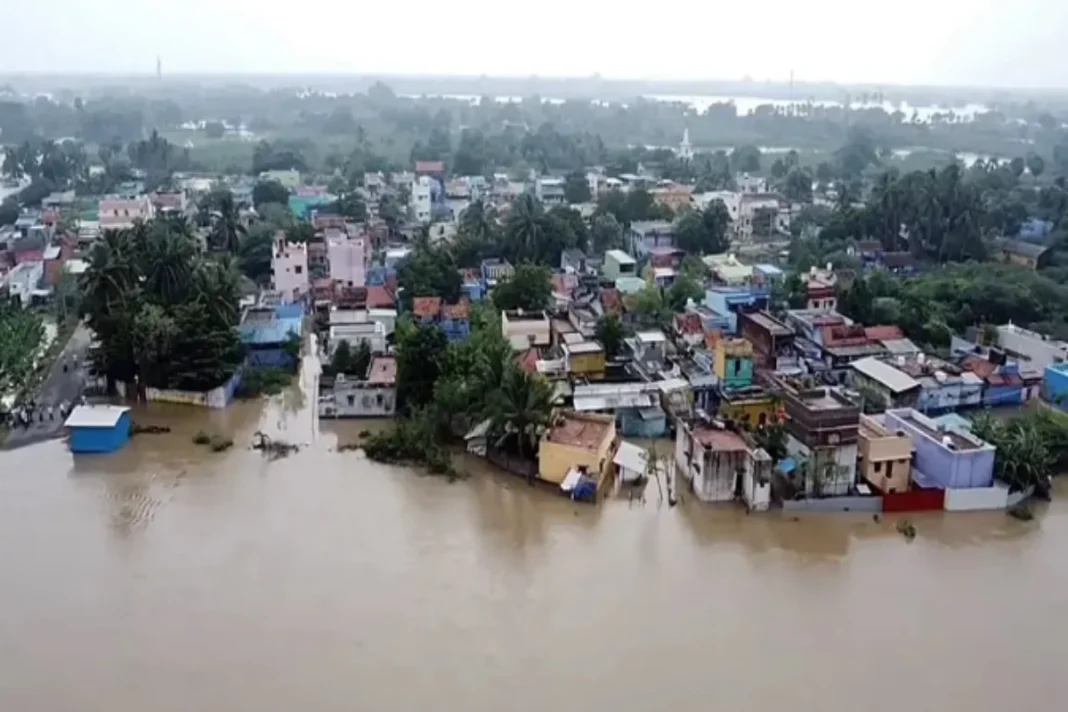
348 261
289 269
120 213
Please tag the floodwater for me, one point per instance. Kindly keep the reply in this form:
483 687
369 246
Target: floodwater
167 577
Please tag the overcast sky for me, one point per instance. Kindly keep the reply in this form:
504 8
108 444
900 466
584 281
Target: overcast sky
974 42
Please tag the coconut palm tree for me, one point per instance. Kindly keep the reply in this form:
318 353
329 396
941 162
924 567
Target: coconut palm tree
215 287
227 229
524 229
112 272
478 221
12 165
167 260
522 408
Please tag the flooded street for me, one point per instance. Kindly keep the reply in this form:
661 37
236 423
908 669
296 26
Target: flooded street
169 577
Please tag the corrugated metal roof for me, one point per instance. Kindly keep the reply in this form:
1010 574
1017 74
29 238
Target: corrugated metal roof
631 457
623 400
95 416
895 380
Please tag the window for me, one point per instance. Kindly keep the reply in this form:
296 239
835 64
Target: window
878 467
126 213
352 400
298 269
379 400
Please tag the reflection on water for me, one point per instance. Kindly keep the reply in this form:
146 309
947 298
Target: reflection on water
170 577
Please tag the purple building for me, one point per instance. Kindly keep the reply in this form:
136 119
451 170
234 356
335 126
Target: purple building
944 458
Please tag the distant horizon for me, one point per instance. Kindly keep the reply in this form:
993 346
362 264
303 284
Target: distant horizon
386 78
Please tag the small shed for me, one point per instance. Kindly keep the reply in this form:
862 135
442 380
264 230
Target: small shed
632 463
98 428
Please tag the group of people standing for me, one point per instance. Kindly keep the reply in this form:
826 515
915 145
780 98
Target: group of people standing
26 415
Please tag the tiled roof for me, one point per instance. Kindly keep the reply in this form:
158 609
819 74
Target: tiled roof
1024 249
884 333
426 307
719 440
688 323
1000 379
380 298
845 336
528 361
979 366
429 166
460 310
565 283
383 370
611 301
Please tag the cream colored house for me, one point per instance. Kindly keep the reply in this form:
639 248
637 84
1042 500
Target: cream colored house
526 329
577 441
884 457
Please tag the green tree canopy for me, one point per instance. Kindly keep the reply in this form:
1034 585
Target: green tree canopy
529 289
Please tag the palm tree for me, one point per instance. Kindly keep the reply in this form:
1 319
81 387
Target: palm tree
12 165
611 333
227 228
478 221
168 257
522 408
215 288
111 273
524 229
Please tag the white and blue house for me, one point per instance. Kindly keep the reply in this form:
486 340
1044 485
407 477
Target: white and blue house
99 428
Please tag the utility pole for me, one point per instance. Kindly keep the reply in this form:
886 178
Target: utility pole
159 68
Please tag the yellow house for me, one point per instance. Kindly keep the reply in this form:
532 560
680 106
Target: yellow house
749 407
585 359
1024 254
577 440
734 363
885 457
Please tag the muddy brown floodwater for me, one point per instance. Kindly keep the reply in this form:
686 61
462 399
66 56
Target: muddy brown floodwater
167 577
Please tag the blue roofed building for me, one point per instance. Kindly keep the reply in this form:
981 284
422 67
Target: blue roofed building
1055 385
302 206
98 428
265 331
730 301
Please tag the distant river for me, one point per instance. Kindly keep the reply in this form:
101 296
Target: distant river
169 578
747 104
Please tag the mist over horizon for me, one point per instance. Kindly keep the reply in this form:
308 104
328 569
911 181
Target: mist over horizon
958 43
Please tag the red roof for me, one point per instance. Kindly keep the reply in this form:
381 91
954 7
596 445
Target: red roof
719 440
380 298
29 256
979 366
426 307
1000 379
383 370
688 323
845 336
884 333
611 301
460 310
565 283
323 288
429 166
528 361
712 338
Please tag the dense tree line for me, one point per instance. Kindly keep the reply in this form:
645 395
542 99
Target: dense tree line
444 389
378 129
164 312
